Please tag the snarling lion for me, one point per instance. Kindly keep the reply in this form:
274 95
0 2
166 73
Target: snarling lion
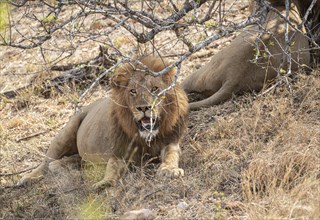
142 118
249 61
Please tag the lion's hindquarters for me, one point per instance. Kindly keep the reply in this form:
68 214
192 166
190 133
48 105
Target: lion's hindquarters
204 80
97 133
64 144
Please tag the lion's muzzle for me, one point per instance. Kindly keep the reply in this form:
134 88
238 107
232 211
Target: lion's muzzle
148 124
148 127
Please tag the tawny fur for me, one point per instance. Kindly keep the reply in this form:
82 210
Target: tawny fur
233 69
105 131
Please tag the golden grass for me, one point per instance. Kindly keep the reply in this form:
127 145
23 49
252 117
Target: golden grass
244 159
266 152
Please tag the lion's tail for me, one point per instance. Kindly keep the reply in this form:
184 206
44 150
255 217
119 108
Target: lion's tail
224 93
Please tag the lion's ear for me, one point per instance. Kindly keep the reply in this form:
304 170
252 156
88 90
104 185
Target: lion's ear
121 77
119 80
169 76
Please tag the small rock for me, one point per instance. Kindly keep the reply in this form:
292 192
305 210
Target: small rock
182 205
198 66
141 214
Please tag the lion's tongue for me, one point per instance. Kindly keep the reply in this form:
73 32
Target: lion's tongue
146 120
146 123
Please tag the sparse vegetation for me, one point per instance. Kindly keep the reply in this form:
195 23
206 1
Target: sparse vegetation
4 17
248 158
243 159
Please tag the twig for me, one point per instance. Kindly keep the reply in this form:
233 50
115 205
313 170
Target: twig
290 23
304 19
37 134
269 89
101 76
286 37
31 136
19 172
154 192
181 37
222 33
11 187
208 14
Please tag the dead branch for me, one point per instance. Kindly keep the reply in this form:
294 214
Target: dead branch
76 73
18 172
31 136
183 17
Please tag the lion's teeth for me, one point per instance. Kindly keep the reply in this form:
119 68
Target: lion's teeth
146 125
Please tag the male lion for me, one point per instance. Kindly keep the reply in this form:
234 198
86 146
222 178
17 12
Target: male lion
141 118
244 66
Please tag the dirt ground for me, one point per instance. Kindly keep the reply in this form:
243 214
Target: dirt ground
252 157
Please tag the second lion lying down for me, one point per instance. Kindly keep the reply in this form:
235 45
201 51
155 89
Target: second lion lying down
252 59
136 121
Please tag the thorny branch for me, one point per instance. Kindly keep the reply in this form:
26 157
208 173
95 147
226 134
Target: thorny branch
286 36
184 18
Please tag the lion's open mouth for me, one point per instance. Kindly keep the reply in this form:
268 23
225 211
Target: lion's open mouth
147 124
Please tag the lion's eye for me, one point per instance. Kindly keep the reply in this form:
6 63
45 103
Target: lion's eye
154 89
133 92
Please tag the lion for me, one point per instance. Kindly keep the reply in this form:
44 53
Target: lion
141 118
248 62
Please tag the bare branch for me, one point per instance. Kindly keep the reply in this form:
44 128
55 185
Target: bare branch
141 22
224 32
123 60
286 36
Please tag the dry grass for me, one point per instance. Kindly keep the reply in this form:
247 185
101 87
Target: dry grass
244 159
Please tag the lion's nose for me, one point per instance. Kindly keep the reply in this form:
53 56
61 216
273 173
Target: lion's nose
143 108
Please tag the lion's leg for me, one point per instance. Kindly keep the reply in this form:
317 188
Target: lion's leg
170 161
43 168
64 144
35 174
224 93
114 169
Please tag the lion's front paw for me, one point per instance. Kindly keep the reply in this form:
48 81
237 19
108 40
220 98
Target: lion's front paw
170 171
103 184
29 178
